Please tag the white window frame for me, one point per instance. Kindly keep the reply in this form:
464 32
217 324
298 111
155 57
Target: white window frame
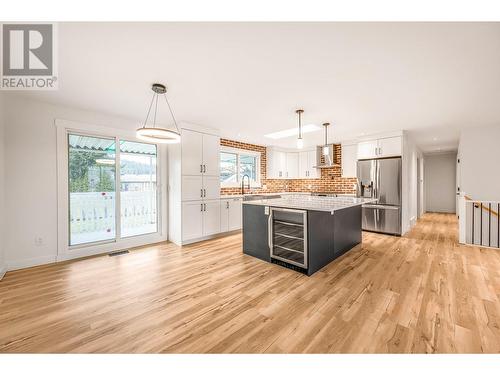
64 250
239 152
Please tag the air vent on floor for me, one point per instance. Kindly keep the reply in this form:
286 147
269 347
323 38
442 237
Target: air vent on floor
118 253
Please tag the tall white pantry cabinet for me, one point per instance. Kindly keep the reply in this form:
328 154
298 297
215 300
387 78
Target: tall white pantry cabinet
194 186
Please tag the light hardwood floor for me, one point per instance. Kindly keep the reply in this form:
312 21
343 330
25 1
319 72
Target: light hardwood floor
422 293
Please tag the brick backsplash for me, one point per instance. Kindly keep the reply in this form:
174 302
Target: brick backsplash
330 181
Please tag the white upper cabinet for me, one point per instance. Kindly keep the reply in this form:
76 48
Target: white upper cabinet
192 152
307 163
349 156
313 172
211 154
390 146
200 153
276 163
292 165
367 149
380 148
303 164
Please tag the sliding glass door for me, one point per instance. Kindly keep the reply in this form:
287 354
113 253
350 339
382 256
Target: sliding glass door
96 167
138 203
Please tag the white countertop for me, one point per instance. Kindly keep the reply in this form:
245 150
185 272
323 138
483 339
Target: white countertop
308 193
313 203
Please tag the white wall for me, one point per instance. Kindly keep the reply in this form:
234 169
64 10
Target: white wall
3 266
409 183
440 182
479 154
31 183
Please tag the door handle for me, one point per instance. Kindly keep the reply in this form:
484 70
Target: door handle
204 168
201 207
204 193
227 205
269 232
204 206
201 168
201 193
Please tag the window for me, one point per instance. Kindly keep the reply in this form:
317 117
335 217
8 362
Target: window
93 196
235 163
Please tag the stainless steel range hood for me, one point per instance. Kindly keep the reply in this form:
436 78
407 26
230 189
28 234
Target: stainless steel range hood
328 160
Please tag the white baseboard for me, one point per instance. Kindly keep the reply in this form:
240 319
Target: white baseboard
3 270
31 262
211 237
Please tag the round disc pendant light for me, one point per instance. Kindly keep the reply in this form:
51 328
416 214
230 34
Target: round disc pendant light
153 133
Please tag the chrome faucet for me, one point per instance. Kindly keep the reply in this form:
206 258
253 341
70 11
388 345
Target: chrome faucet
243 183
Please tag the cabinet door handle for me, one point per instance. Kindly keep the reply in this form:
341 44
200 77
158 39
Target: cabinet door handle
201 193
201 168
227 205
204 193
205 205
201 207
204 168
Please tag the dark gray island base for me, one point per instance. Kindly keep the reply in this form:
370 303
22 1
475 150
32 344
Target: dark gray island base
299 238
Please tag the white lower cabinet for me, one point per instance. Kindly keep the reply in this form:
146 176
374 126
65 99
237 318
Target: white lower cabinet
200 219
211 217
230 214
192 220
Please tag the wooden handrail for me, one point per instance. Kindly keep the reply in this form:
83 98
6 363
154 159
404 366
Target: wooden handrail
487 209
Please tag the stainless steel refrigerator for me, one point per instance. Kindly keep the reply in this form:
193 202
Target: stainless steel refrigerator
381 179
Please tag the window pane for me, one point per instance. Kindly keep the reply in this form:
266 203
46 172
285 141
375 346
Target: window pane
228 166
138 194
248 166
91 189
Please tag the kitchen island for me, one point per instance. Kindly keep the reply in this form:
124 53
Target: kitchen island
301 232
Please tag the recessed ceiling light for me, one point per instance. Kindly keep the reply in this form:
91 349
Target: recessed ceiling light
293 132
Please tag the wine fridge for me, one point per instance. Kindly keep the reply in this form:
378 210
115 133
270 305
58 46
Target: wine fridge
288 236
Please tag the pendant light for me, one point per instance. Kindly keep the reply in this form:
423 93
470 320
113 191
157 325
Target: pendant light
326 149
158 134
300 141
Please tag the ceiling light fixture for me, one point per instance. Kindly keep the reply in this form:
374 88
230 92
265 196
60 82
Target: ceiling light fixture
300 141
158 134
326 150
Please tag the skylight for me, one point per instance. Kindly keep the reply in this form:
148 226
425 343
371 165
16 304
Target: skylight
293 132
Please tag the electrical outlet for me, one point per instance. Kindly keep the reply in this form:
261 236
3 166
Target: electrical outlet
38 241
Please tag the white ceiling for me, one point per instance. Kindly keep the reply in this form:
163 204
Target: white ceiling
248 78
